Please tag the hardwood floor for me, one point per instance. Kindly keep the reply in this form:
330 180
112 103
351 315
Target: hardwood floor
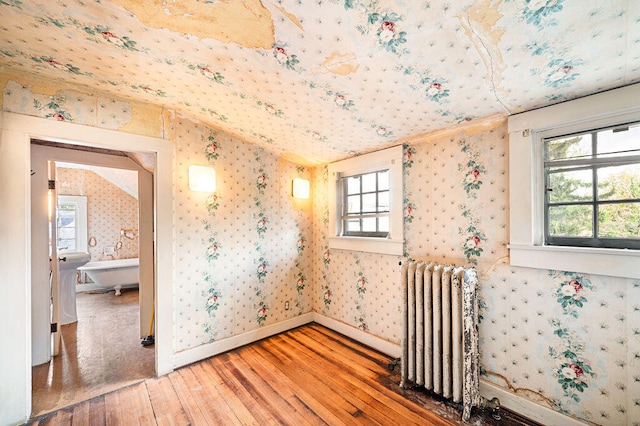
100 352
306 376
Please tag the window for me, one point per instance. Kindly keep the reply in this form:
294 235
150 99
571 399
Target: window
71 223
568 166
592 188
365 203
365 211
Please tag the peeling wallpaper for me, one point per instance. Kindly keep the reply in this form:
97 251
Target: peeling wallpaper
33 95
570 342
319 81
567 341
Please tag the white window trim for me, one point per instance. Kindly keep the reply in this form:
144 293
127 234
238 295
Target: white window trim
391 159
526 216
81 226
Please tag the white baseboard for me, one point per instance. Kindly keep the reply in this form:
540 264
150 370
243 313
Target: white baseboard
527 408
381 345
211 349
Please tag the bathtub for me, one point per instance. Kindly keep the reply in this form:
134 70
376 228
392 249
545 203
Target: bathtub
113 274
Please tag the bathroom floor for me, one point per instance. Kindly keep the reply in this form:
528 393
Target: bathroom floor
100 352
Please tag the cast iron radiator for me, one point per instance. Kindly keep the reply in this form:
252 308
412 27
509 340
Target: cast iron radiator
440 331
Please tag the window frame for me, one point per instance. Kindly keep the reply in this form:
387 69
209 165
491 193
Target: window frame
387 159
80 207
591 165
526 181
346 216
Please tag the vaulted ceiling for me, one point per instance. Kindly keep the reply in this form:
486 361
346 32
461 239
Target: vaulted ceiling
321 80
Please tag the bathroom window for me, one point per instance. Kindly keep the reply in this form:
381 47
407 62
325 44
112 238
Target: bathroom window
71 223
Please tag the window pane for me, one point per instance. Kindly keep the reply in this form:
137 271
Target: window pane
369 203
369 182
620 220
383 224
383 201
369 224
619 143
571 186
570 221
569 147
353 185
619 183
353 204
352 225
383 180
66 217
67 245
64 233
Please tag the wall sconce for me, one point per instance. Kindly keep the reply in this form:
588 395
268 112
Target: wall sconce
202 179
300 188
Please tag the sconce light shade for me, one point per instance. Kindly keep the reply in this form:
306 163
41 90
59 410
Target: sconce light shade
202 179
300 188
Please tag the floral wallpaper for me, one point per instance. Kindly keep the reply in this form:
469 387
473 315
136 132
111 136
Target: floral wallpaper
242 257
568 341
318 81
242 252
109 210
306 84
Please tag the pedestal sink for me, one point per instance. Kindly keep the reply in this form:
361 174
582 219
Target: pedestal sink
68 263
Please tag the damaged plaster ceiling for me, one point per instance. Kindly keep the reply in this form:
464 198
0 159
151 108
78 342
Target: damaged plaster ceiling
319 81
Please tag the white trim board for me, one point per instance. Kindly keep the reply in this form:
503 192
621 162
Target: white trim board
386 347
190 356
526 408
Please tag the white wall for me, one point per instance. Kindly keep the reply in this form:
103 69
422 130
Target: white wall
15 297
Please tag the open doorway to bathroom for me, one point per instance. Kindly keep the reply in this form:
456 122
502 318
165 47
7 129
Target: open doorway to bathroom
100 209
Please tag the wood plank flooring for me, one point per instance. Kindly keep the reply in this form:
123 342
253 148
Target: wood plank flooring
101 352
306 376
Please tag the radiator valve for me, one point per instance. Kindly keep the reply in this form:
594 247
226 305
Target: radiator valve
494 405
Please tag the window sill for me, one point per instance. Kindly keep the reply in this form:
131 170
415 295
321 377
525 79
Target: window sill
368 245
609 262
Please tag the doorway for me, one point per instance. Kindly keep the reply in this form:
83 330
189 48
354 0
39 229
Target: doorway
97 349
16 133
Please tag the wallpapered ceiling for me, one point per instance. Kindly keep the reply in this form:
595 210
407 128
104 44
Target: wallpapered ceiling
318 81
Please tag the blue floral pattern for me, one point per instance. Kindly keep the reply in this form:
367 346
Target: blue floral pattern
473 171
573 369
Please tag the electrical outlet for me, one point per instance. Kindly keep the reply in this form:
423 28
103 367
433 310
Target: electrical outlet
286 305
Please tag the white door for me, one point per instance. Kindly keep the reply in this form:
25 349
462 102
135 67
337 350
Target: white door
55 270
44 268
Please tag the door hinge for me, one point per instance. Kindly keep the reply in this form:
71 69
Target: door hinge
52 184
54 327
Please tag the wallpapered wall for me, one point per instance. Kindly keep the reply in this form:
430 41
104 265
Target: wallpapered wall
109 210
243 251
567 341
